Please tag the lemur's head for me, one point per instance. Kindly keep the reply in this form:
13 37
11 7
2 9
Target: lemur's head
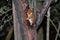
29 11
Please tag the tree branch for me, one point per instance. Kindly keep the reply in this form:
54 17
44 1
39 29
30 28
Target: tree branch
26 33
19 29
43 10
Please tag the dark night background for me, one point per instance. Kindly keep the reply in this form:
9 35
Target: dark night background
6 19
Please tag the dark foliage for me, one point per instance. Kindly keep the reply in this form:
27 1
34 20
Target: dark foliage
5 18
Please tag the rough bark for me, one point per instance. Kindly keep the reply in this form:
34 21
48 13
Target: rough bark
20 13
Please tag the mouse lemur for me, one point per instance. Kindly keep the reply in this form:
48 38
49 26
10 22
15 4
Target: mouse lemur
31 17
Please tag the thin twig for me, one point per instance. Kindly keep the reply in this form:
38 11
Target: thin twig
52 23
48 24
57 32
9 33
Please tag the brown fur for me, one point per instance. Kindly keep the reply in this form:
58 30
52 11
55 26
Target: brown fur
30 16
